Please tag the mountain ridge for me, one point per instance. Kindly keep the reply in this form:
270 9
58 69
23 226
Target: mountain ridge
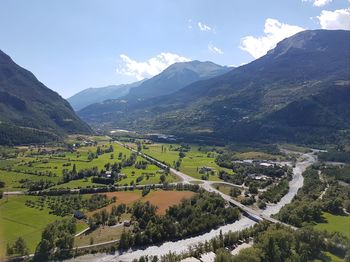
29 111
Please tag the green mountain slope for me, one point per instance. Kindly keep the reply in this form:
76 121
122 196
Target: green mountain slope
29 111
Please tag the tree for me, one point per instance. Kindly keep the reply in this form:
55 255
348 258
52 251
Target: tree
74 170
162 178
21 246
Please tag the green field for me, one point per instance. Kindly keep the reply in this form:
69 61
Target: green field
16 219
335 224
191 163
29 165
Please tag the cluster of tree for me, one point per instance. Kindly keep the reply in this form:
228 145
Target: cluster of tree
74 175
102 180
103 217
57 240
36 185
141 164
199 214
237 179
19 247
275 192
2 184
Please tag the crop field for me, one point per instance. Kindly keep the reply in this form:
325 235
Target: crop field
335 224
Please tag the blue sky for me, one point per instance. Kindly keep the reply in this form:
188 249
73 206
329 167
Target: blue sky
71 45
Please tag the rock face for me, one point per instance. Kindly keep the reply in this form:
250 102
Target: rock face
29 111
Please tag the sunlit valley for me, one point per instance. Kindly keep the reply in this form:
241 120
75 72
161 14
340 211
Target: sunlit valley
203 137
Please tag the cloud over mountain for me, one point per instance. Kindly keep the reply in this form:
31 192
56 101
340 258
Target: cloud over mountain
274 32
149 68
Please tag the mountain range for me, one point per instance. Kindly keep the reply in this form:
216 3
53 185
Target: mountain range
96 95
169 81
298 91
29 111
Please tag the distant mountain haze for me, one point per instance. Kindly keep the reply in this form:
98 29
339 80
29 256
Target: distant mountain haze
299 91
29 111
96 95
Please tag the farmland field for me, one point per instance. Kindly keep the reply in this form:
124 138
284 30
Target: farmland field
164 199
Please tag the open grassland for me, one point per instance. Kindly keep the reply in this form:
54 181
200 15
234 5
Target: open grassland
163 152
193 161
18 220
256 155
226 189
100 235
335 224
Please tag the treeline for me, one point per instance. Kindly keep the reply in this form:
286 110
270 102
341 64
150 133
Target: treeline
197 215
91 190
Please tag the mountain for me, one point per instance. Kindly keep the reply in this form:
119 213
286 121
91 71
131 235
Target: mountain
176 77
96 95
299 91
172 79
29 111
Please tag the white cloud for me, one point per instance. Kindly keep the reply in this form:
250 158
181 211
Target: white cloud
338 19
149 68
204 27
274 31
318 2
215 50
